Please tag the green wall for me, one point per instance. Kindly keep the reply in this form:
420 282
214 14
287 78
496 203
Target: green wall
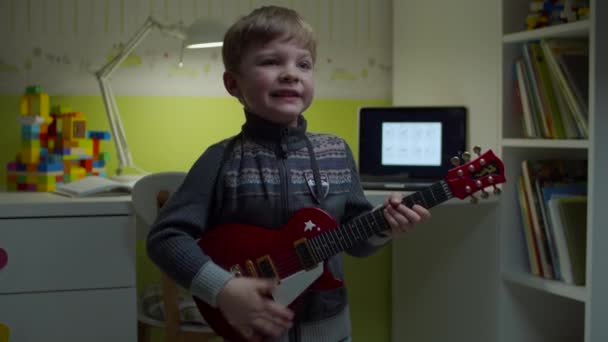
169 133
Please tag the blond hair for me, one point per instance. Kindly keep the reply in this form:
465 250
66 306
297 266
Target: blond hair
261 26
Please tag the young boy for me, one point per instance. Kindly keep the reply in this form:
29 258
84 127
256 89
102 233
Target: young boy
261 177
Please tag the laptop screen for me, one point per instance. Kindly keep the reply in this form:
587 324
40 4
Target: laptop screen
409 144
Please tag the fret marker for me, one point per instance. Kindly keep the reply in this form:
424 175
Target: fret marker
309 225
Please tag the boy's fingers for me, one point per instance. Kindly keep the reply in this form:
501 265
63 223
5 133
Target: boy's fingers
264 286
393 199
422 211
278 311
411 215
389 217
277 320
266 327
399 215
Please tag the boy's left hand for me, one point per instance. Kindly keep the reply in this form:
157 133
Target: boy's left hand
401 218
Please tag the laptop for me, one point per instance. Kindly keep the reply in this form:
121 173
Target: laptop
408 148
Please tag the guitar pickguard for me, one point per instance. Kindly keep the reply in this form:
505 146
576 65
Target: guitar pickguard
293 286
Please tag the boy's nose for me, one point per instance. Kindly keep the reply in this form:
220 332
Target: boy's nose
289 75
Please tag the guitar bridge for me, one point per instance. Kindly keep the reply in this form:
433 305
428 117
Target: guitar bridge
304 254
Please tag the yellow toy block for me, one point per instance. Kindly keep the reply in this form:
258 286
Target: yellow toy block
29 155
30 144
84 143
31 179
70 157
36 105
45 187
62 109
74 126
46 180
77 173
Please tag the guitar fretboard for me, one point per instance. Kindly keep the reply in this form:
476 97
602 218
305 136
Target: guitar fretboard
364 226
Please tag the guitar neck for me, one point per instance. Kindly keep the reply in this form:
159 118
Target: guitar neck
364 226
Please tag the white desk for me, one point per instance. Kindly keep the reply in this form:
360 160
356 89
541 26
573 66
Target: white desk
70 274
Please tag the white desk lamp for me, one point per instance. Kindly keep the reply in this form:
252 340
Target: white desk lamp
203 33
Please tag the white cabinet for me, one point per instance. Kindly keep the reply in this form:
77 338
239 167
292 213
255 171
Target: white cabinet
532 308
70 269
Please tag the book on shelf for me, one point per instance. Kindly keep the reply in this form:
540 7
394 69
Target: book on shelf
526 216
568 215
551 84
541 179
91 186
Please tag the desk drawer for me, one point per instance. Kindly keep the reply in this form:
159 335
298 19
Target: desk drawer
46 254
76 316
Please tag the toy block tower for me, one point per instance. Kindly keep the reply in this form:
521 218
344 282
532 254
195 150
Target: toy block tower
56 147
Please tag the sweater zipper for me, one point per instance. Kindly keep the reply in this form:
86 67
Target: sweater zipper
284 177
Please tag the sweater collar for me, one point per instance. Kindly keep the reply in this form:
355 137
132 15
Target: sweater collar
290 138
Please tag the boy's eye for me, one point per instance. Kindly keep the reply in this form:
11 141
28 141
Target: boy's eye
306 65
269 61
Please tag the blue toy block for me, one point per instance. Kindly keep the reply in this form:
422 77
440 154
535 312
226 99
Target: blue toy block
101 135
99 163
30 129
50 167
54 158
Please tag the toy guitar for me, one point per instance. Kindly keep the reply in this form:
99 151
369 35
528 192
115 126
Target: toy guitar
294 255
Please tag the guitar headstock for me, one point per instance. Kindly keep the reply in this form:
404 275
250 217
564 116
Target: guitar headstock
475 175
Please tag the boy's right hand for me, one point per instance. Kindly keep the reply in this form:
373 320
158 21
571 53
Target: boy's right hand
247 304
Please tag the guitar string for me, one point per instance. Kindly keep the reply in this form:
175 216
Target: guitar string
288 262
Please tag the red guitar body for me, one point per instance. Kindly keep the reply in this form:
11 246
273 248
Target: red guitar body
241 247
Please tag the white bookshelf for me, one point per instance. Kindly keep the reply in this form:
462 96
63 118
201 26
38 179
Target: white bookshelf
531 308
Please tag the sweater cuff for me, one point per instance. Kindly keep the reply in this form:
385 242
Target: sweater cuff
209 281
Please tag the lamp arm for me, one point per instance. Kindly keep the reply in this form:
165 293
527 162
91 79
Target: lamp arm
103 75
122 149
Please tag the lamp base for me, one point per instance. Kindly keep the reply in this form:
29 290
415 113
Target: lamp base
128 175
127 179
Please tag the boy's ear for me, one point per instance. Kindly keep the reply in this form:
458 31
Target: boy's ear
231 84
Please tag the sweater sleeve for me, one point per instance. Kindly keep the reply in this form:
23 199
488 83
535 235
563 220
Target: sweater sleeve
357 204
171 242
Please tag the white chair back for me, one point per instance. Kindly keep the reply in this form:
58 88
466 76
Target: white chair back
145 192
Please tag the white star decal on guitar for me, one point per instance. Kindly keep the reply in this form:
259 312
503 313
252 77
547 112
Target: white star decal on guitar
309 225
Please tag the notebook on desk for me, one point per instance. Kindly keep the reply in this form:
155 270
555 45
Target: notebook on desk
408 148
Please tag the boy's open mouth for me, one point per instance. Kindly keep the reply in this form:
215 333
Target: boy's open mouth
285 93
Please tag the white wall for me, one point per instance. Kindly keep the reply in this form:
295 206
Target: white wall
59 44
446 52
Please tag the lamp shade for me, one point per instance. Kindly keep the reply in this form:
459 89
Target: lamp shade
204 33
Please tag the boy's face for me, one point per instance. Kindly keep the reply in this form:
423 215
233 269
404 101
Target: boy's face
274 80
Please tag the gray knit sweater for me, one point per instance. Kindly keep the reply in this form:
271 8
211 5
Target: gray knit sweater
261 177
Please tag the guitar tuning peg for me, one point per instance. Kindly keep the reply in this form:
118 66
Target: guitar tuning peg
477 150
466 156
455 160
474 200
484 194
497 190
